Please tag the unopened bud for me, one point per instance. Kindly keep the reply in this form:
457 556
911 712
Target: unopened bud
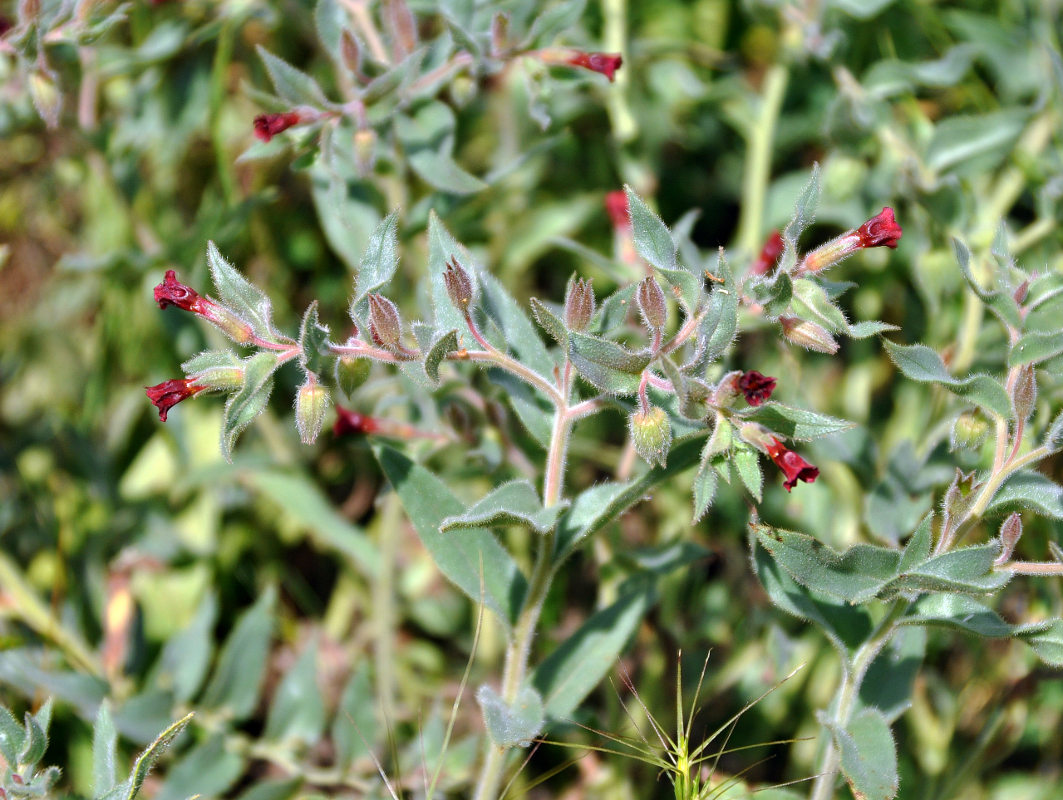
385 325
579 305
808 334
462 90
459 286
969 431
364 150
650 299
46 97
1019 295
651 433
1010 533
311 402
1024 395
499 34
351 373
350 52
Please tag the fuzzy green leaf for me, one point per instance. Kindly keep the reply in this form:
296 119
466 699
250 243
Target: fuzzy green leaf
208 769
796 423
519 333
12 734
804 213
605 364
1049 644
511 725
869 755
922 364
467 560
442 247
129 788
442 345
377 265
298 710
569 674
244 405
237 679
1035 347
1028 491
245 299
514 503
968 570
104 749
292 85
313 341
185 657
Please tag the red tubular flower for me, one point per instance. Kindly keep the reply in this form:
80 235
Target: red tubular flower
756 387
793 466
605 63
881 230
352 423
169 393
269 125
616 207
769 254
171 292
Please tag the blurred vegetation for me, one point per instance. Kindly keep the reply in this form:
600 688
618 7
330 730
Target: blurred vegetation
137 565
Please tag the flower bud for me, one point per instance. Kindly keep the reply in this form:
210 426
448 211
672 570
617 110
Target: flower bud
651 433
352 373
364 150
462 90
46 97
1024 393
808 335
881 230
459 286
969 431
311 402
499 34
1010 533
385 325
350 52
579 305
650 299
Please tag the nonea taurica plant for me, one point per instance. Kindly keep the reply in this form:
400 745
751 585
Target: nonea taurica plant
658 353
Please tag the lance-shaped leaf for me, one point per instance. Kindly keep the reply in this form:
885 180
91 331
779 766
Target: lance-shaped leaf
720 321
804 213
377 266
594 508
1049 644
966 614
855 576
868 755
247 403
607 365
845 626
997 300
237 678
1035 347
812 302
298 709
922 364
704 489
469 560
514 503
654 242
515 724
437 351
292 85
313 341
442 247
773 294
244 298
354 728
795 423
550 322
104 750
968 570
572 671
890 680
185 657
129 788
1028 491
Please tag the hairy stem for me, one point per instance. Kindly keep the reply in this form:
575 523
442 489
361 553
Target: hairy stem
845 698
519 647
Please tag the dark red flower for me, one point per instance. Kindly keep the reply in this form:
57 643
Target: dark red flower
605 63
269 125
881 230
167 394
793 466
769 254
616 206
351 422
171 292
756 387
